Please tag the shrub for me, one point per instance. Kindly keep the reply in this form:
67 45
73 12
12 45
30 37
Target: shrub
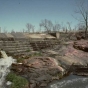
28 50
17 81
36 54
19 60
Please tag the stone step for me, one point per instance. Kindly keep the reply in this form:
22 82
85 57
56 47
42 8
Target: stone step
16 51
10 46
15 48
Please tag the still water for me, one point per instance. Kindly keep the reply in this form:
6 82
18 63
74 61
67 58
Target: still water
71 81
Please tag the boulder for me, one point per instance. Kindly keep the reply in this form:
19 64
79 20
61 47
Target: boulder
80 36
38 70
70 55
81 45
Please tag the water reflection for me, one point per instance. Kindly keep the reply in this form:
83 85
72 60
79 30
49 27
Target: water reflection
71 81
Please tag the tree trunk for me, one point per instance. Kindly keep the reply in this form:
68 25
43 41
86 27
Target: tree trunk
86 28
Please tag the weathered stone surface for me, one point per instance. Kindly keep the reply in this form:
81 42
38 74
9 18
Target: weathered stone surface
81 45
39 71
71 55
67 54
80 36
42 70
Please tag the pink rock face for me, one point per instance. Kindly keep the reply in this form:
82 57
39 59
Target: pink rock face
72 51
72 55
42 62
81 45
80 36
38 70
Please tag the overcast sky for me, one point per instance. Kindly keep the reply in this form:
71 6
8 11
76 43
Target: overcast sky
15 14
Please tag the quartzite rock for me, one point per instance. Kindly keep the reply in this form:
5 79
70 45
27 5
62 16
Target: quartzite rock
81 45
39 71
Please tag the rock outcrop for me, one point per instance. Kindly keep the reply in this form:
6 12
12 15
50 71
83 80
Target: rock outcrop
70 55
81 45
80 36
39 71
66 55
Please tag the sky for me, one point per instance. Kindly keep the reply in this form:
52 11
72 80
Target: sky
15 14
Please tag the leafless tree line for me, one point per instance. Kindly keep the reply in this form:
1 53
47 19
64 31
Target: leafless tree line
82 10
49 26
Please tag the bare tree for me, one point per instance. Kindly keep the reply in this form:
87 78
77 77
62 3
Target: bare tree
81 27
83 11
5 31
12 31
30 27
69 26
33 27
47 25
23 30
64 28
56 27
40 27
